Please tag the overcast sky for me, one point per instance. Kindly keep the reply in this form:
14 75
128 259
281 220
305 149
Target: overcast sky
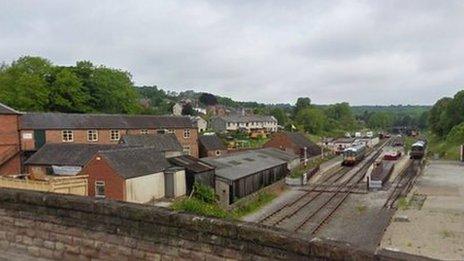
362 52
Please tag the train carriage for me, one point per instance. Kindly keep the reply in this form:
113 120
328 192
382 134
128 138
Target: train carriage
418 149
353 155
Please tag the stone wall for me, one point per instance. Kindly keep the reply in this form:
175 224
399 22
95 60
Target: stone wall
81 228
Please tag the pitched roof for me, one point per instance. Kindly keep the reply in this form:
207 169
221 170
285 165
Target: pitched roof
66 154
161 142
101 121
280 154
301 141
191 163
239 165
247 118
4 109
212 142
136 162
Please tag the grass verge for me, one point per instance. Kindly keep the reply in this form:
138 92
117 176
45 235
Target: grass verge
261 200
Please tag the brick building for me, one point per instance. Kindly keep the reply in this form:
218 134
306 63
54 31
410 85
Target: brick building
40 128
140 175
294 142
10 161
211 146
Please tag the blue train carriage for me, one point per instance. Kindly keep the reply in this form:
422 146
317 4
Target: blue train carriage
418 149
353 155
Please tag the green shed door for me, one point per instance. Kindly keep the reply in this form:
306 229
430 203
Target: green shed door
39 137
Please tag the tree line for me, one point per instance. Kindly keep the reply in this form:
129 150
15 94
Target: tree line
446 118
35 84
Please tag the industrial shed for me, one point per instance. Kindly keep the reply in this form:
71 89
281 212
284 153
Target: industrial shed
294 142
293 160
241 174
195 171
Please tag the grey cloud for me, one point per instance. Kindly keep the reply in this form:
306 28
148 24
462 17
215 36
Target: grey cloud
363 52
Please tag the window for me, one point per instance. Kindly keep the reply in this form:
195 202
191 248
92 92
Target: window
67 136
171 131
162 131
92 135
186 150
99 189
218 153
186 133
114 135
144 131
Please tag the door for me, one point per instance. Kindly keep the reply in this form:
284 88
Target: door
39 138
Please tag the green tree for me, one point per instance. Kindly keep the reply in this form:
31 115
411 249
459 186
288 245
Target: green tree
438 118
113 91
302 103
341 115
24 83
380 120
312 120
280 115
67 93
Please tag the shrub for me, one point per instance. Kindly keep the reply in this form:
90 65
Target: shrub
195 205
255 204
204 193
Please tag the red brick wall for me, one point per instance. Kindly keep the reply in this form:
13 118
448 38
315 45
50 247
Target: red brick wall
99 170
12 166
80 136
282 142
192 141
9 143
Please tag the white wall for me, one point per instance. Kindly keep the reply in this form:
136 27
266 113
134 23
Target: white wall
145 188
180 187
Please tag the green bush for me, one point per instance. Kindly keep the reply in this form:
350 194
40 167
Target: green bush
195 205
204 193
255 204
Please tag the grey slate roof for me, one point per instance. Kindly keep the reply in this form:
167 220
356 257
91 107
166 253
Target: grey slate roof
162 142
248 118
191 163
66 154
136 162
101 121
280 154
4 109
301 141
239 165
212 142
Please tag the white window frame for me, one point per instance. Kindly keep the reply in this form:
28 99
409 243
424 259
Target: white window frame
67 135
171 131
217 152
116 134
99 183
92 135
143 131
161 131
186 150
186 133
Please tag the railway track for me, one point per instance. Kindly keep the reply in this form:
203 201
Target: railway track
303 200
294 215
403 182
313 222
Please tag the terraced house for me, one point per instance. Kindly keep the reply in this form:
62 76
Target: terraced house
254 124
22 134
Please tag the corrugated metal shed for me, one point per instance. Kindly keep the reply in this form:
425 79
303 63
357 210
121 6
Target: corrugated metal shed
236 166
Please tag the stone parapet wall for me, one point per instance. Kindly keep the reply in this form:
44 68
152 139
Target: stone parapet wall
68 227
